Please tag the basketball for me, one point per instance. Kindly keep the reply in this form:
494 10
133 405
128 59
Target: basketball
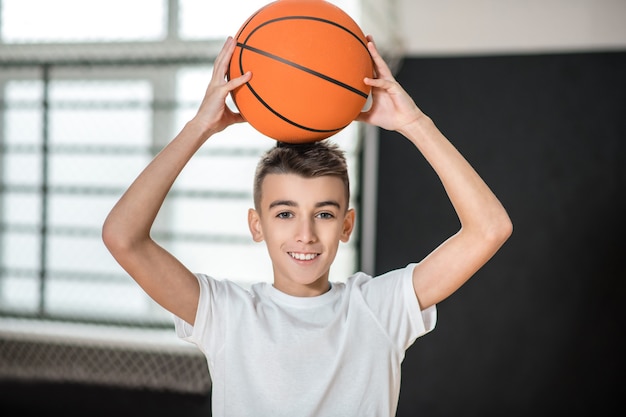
308 59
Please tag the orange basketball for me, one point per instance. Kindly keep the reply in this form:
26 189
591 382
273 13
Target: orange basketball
308 59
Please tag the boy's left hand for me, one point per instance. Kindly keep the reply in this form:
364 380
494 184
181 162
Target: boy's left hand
392 107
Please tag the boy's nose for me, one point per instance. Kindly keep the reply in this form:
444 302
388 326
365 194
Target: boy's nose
306 231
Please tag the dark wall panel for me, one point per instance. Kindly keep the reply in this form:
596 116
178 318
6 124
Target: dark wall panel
540 328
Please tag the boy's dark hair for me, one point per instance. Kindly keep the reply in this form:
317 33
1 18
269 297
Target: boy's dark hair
308 160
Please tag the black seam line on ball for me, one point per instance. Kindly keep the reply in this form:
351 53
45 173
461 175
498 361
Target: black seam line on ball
300 67
304 17
291 122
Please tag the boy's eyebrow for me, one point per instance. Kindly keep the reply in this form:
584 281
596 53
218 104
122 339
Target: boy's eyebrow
292 203
289 203
328 203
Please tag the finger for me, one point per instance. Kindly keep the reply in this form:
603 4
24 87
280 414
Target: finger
381 67
222 60
381 83
370 39
239 81
226 52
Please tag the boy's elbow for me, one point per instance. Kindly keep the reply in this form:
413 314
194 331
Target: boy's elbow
501 230
493 230
109 237
113 239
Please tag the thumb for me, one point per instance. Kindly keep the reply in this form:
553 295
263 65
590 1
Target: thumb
239 81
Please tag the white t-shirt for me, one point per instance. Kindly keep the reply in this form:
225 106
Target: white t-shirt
337 354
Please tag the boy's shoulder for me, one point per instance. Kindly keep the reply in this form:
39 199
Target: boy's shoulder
360 282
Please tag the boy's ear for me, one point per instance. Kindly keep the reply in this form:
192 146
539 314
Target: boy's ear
348 225
254 223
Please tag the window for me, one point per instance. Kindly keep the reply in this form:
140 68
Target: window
31 21
83 108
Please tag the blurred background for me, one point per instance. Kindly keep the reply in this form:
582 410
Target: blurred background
532 92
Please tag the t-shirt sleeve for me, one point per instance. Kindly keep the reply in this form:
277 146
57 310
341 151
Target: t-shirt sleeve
392 299
207 317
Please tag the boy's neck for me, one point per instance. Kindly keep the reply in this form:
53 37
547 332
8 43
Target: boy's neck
314 289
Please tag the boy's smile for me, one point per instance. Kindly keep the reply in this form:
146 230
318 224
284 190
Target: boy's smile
302 220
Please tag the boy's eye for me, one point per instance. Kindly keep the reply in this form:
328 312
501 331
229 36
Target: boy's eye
325 215
284 215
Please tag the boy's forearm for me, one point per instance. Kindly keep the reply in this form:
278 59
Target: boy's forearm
473 200
485 225
134 213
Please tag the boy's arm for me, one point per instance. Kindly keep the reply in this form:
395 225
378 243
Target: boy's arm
126 230
485 225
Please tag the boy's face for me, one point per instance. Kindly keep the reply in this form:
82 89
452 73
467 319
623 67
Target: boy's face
302 221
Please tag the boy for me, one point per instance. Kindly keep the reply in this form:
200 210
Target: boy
303 346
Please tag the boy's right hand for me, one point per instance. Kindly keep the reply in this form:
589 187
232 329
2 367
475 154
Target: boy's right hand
213 114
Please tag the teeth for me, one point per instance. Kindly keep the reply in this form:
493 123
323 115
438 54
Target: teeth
303 256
